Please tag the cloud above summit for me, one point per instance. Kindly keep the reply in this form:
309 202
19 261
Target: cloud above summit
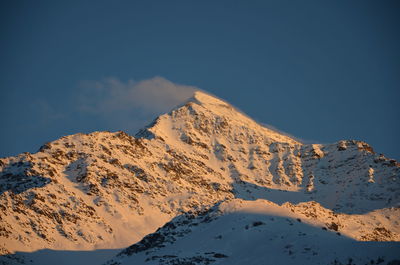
128 105
152 96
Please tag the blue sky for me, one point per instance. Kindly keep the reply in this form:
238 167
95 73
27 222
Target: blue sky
319 70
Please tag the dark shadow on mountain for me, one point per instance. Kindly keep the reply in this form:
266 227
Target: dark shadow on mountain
333 185
249 191
19 177
77 170
207 234
59 257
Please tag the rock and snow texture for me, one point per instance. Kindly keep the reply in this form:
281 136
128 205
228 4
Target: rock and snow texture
111 190
257 232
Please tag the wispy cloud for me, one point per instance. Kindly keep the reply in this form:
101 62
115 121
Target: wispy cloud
152 95
130 105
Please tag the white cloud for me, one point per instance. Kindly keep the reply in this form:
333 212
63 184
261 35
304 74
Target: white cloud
130 105
155 95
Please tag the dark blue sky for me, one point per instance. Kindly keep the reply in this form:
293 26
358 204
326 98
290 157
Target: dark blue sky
319 70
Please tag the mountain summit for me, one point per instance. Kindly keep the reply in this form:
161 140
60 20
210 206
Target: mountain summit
208 116
194 187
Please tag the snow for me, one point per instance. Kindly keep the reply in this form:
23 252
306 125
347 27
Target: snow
96 193
253 232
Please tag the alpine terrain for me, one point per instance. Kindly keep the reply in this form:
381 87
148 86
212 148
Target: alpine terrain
202 184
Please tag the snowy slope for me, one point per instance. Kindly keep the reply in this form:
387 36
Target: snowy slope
256 232
108 190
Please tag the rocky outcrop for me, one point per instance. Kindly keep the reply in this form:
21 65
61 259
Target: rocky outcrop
105 189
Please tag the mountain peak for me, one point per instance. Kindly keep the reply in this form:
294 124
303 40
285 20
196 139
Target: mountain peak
207 117
205 99
207 167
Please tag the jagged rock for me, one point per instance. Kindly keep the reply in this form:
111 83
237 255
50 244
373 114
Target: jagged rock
106 189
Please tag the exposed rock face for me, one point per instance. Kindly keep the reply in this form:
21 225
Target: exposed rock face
110 189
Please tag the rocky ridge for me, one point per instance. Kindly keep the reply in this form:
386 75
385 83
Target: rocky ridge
91 191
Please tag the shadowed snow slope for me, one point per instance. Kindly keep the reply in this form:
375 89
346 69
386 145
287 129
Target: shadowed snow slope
256 232
109 190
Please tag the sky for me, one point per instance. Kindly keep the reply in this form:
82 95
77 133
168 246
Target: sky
322 71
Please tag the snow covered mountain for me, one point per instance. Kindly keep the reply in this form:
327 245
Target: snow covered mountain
223 189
